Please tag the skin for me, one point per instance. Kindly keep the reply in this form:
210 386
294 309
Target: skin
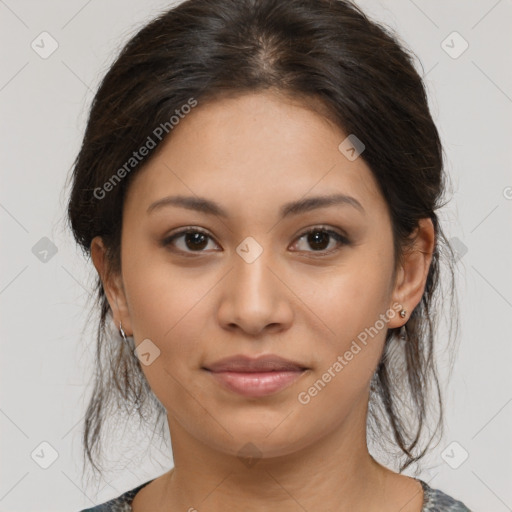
251 154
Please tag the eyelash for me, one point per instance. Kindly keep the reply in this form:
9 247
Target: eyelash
340 239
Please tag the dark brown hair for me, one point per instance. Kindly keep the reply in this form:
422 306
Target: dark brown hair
324 50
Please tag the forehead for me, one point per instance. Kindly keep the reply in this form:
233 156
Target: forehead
253 151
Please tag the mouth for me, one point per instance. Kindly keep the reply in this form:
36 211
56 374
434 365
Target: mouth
263 376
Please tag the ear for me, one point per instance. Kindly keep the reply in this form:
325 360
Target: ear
412 275
112 285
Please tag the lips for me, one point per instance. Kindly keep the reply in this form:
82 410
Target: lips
255 377
266 363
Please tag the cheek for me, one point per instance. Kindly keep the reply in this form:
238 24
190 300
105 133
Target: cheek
349 297
174 307
170 309
346 358
158 292
353 303
163 300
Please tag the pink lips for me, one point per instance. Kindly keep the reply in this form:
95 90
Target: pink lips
258 377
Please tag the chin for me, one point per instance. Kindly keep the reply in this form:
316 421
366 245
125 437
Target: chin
260 441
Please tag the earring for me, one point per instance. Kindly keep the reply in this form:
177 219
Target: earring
402 332
122 333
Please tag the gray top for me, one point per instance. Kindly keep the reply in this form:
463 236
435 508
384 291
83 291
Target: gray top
434 500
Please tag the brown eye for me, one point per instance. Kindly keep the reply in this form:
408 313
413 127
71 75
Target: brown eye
188 240
195 241
320 239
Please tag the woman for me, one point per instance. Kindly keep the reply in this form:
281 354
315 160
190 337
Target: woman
257 189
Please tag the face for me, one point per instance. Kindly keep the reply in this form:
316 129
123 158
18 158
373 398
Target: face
248 279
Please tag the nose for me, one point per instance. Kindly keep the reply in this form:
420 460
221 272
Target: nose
255 298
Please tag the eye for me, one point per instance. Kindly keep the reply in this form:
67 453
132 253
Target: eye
319 239
192 240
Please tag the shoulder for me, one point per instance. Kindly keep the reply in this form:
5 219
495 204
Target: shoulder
437 501
434 501
120 504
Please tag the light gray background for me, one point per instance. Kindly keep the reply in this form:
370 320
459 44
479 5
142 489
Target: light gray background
46 350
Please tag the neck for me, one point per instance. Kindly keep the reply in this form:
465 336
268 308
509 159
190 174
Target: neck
336 469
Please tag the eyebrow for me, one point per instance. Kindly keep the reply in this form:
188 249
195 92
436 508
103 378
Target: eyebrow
209 207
